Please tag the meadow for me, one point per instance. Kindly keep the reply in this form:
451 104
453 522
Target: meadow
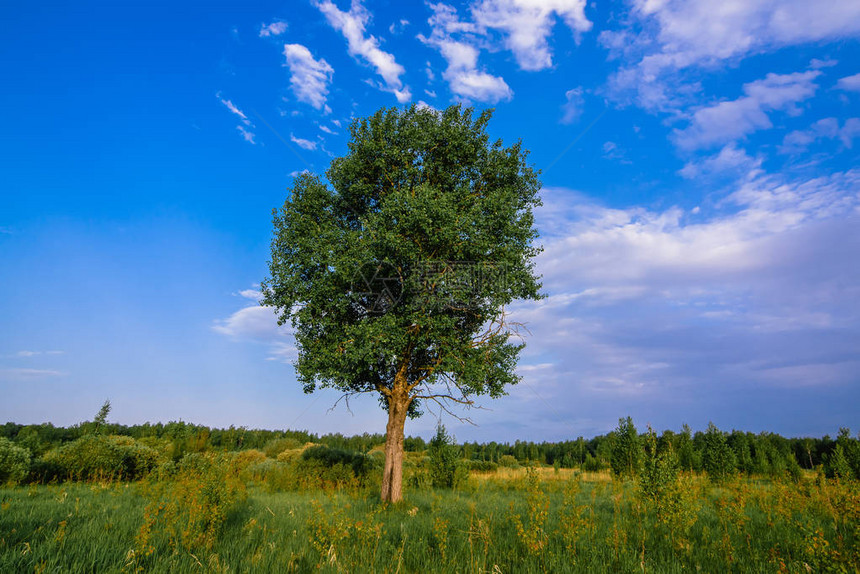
236 513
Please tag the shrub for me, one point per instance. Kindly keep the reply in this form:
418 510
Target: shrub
508 461
14 462
482 465
322 467
98 457
245 458
836 465
591 464
360 463
278 445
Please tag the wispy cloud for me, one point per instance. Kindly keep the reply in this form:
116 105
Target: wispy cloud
243 129
20 374
309 78
849 83
27 354
247 135
662 38
232 107
352 25
825 129
731 120
572 108
303 143
276 28
731 161
659 304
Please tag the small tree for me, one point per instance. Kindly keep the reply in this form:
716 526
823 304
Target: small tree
396 275
101 417
626 451
659 476
446 471
687 455
718 460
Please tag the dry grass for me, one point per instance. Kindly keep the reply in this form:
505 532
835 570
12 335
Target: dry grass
546 474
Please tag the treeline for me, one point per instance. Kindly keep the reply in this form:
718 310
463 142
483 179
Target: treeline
184 437
136 448
755 453
702 451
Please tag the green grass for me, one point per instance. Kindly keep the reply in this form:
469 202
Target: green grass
745 526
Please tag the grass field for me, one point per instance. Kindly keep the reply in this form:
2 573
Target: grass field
509 521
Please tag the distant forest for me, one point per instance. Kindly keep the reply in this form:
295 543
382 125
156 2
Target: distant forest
764 453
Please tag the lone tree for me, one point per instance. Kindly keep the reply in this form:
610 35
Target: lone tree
395 274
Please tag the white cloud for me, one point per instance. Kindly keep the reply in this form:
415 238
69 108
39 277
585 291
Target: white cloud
260 324
309 78
731 160
727 121
850 83
761 290
696 31
328 130
253 294
527 25
274 29
28 374
27 354
352 25
398 27
247 135
825 129
663 37
303 143
817 64
572 108
463 76
230 106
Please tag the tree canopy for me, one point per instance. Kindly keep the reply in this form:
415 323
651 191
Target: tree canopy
396 272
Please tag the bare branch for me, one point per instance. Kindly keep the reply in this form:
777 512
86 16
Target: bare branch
345 398
456 416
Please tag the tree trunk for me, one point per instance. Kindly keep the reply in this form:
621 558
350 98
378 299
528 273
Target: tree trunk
392 475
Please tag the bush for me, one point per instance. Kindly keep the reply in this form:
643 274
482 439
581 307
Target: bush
482 465
278 445
321 467
361 464
508 461
101 457
14 462
245 458
591 464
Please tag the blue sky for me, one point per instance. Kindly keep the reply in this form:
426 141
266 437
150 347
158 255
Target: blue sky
700 219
